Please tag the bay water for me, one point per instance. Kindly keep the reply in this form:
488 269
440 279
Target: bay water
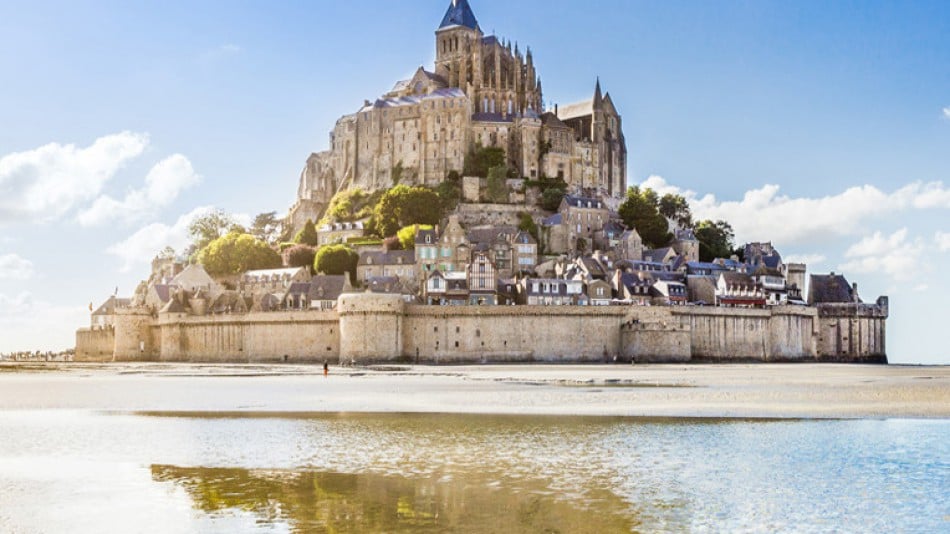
89 471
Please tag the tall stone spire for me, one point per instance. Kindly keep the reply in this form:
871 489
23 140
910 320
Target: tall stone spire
459 14
598 97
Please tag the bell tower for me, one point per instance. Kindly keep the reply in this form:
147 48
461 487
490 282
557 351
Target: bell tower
456 41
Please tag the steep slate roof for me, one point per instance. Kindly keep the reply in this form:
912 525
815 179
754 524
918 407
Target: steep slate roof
524 238
582 202
613 228
551 121
656 255
829 288
553 220
298 288
388 258
164 291
562 285
412 100
108 307
491 234
421 237
578 109
491 117
459 14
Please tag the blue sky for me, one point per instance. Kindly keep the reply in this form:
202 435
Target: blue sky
823 126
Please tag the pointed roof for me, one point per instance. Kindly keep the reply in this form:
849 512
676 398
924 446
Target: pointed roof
459 14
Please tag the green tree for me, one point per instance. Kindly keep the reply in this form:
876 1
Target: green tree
307 235
482 159
236 253
551 198
336 259
526 224
640 210
403 206
266 227
497 190
450 193
301 256
205 229
715 239
675 208
407 235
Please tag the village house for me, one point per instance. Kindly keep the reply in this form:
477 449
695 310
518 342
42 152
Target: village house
104 315
669 293
398 263
447 289
427 252
738 290
583 217
481 280
631 246
454 247
631 288
273 281
333 233
552 292
599 292
324 291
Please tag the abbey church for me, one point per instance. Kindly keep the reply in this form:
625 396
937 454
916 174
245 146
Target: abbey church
484 91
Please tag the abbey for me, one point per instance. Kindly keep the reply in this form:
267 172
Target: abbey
484 91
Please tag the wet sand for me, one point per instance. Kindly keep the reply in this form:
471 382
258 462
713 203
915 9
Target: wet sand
728 391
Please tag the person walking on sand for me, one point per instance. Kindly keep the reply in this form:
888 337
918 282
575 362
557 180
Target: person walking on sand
326 369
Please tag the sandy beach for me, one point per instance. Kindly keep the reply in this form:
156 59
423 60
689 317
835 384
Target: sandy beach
754 390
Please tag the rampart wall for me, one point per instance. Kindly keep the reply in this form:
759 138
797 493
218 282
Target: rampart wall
94 345
371 328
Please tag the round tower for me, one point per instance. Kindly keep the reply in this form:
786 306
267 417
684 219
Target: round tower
370 327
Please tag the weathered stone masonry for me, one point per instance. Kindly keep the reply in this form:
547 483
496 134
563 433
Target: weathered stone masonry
382 328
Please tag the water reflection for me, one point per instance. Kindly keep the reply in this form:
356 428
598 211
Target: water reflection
339 502
202 472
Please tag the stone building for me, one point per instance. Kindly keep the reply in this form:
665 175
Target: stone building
483 91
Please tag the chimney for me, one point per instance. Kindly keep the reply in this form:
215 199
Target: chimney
555 109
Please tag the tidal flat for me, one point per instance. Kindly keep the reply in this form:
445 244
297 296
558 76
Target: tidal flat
235 448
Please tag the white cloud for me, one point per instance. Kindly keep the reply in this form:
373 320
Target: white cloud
15 267
921 287
45 183
893 255
942 240
807 259
163 183
946 112
764 214
143 245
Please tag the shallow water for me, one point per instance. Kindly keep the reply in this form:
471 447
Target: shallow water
79 471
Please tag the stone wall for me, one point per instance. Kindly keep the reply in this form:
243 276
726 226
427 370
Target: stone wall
494 214
449 334
374 328
724 334
95 345
301 336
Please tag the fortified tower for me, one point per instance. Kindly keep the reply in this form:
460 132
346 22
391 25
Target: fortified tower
497 79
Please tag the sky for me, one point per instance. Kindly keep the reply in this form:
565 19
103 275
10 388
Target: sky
823 127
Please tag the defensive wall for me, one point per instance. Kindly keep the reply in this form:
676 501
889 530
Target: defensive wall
372 328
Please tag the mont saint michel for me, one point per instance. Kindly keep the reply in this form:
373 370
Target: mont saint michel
458 218
474 266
